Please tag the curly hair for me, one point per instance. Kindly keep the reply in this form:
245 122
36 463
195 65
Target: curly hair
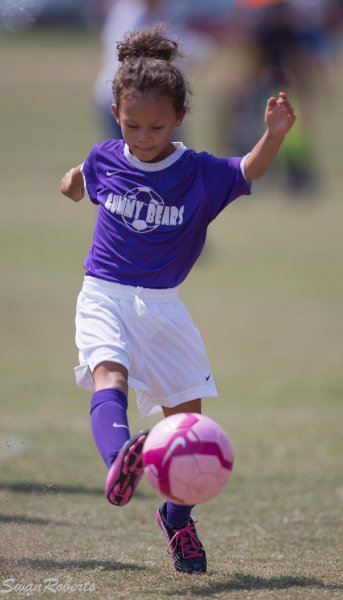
147 56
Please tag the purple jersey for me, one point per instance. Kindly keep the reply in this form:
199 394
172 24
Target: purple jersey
153 217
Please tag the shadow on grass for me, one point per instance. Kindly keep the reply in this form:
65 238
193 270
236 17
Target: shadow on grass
25 520
30 487
239 581
37 564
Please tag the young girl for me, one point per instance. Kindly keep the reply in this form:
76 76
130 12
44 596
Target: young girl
155 201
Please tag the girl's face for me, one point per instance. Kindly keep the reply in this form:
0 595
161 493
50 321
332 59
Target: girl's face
147 121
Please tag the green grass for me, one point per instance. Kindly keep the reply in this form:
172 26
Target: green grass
267 296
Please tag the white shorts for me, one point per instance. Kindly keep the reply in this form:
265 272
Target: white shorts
148 331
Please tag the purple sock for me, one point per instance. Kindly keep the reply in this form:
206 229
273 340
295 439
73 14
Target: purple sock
109 422
178 514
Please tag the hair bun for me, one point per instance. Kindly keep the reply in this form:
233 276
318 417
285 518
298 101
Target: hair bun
150 42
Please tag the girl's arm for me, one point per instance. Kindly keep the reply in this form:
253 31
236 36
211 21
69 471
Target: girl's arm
72 184
279 118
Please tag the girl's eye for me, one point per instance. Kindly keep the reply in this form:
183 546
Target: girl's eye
156 128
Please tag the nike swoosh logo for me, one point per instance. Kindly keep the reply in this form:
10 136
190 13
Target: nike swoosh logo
179 441
208 376
110 173
119 425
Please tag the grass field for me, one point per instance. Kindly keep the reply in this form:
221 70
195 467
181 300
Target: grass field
267 296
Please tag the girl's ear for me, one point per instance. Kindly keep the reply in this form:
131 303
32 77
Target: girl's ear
180 117
116 113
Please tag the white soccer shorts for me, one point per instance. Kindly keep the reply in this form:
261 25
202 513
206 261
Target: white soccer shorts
148 331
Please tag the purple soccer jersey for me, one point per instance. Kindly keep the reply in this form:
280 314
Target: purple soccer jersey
153 217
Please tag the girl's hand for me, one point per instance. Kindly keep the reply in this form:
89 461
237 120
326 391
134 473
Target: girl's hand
72 184
279 116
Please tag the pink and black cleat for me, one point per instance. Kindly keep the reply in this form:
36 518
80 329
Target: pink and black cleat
126 471
184 545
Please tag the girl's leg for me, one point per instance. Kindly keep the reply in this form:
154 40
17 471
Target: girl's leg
109 410
190 406
111 375
177 514
122 454
175 520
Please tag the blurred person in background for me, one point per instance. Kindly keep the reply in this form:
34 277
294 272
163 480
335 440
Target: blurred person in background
292 45
120 17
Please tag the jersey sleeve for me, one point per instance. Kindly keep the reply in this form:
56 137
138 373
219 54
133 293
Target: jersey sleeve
224 181
89 172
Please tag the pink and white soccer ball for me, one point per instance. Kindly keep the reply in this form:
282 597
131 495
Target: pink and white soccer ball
188 458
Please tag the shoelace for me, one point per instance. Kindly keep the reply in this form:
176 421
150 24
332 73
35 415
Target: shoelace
188 541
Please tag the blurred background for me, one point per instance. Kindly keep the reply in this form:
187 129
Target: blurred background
270 279
267 293
248 49
58 60
281 248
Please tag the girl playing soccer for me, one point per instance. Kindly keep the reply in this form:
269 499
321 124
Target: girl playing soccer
155 201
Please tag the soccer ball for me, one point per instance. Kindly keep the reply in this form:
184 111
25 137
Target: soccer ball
188 458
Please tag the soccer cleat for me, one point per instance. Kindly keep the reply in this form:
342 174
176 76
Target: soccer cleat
126 470
184 545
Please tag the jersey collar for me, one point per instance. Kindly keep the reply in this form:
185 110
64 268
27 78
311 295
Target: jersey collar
157 166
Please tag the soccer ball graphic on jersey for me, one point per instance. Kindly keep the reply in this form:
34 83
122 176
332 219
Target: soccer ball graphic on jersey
147 200
188 458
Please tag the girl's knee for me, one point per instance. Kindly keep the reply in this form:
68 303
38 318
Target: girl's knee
111 375
190 406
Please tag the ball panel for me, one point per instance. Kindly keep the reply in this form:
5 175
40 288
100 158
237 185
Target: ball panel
191 436
206 429
203 488
225 446
183 468
182 420
158 436
152 476
207 463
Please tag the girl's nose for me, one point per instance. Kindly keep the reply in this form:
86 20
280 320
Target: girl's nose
143 137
